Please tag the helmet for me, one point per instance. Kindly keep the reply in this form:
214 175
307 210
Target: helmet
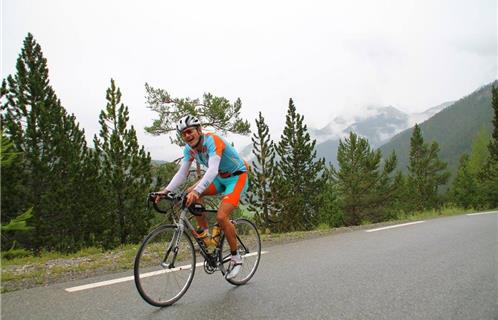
186 122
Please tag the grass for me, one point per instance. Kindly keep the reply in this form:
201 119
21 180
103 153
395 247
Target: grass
49 267
430 214
25 271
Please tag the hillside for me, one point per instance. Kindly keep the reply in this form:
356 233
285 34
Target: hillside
454 129
377 124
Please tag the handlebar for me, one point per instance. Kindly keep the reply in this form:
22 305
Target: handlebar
151 198
196 208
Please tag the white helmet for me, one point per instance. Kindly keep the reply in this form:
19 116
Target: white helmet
186 122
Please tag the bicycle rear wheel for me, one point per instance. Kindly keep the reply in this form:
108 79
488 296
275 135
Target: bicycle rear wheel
164 266
249 247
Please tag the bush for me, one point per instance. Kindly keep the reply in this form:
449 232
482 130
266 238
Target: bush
16 253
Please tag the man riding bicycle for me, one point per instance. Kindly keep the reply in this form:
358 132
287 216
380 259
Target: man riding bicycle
226 174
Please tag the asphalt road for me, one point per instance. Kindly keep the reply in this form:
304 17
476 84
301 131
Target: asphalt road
444 268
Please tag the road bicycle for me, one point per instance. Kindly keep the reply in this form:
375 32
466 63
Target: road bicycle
165 263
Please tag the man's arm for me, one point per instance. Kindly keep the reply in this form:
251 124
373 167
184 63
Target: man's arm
211 173
179 177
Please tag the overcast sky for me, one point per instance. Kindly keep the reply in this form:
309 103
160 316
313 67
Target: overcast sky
332 57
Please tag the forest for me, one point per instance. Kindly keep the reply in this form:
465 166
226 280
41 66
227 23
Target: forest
58 193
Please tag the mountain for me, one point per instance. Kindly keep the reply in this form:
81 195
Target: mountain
377 124
454 129
421 117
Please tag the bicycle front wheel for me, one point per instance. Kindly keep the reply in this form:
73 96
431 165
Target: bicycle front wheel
249 247
164 266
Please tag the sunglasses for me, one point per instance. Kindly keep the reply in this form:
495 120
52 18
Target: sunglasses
188 132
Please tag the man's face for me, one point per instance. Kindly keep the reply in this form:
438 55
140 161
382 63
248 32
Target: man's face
191 136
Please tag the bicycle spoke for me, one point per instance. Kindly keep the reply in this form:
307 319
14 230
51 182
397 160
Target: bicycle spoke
249 246
159 281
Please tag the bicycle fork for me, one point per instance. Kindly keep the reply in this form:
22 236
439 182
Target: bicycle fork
173 247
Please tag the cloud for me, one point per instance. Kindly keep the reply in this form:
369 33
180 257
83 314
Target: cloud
332 58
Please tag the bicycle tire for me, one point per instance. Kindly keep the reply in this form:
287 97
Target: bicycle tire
249 247
153 279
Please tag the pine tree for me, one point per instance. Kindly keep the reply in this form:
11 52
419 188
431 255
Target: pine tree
488 176
261 197
300 176
214 112
12 175
464 189
52 147
426 172
389 190
162 174
493 145
330 211
126 170
17 224
479 152
365 190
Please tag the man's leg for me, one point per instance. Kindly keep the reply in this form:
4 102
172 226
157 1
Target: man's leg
223 219
236 187
201 220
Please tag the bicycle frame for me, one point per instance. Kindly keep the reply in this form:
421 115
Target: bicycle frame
183 224
213 260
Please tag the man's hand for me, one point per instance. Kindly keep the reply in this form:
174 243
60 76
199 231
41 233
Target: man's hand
191 188
192 197
159 195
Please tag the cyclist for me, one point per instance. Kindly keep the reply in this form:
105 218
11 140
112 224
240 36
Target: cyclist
226 173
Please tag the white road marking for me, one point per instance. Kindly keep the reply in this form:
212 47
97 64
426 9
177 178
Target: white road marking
395 226
479 213
145 275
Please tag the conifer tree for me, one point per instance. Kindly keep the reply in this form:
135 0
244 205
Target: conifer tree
52 147
300 177
488 176
426 172
214 112
13 183
163 173
464 189
261 195
330 211
365 190
125 170
17 224
479 151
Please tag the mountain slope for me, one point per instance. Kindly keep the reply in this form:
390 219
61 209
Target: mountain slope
377 124
454 129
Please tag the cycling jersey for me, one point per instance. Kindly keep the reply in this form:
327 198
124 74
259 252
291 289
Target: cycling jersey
212 145
227 172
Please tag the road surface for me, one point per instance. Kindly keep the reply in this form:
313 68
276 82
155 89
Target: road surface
445 268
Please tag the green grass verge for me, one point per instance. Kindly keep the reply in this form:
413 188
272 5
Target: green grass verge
50 267
430 214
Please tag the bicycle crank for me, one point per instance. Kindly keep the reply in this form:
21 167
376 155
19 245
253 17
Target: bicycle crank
208 268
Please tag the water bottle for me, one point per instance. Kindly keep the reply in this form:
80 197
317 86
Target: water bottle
210 245
215 234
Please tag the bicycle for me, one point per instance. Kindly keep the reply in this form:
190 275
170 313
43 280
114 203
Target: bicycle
166 260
